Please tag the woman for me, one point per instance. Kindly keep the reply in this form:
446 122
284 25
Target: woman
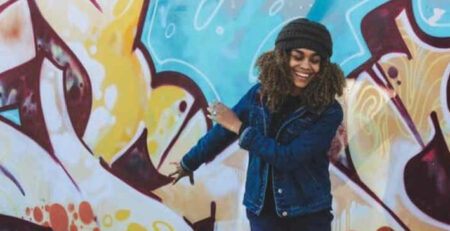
286 122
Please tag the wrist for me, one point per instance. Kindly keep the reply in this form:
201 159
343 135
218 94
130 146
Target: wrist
237 127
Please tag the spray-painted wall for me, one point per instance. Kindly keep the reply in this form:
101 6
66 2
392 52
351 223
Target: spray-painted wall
98 97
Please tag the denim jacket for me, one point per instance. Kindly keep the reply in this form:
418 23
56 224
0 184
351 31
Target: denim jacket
297 154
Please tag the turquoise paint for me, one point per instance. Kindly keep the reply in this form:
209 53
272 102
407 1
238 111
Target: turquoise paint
12 115
226 59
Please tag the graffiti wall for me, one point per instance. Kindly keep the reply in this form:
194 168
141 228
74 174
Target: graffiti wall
99 97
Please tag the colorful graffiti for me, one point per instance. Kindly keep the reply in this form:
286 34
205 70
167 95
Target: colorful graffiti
97 98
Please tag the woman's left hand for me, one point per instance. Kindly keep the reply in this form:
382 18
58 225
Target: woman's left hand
224 116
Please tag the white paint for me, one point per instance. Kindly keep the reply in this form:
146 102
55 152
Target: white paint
276 7
78 18
219 30
145 70
110 96
437 14
422 16
99 120
443 95
16 51
47 91
95 69
209 19
104 191
170 30
353 30
93 49
386 57
224 182
380 75
364 196
11 97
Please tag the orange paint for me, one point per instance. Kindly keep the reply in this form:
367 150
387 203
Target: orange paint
71 207
37 213
27 211
73 228
86 213
385 228
58 218
75 216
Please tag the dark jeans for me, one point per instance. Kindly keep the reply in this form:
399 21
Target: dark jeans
269 221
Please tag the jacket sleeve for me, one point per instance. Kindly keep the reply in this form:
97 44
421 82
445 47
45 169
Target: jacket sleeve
316 139
217 138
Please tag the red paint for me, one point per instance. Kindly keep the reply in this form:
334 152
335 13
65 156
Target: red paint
58 218
75 216
71 207
96 229
27 211
73 227
37 213
385 228
86 213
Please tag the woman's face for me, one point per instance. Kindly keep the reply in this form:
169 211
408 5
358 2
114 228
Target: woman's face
304 63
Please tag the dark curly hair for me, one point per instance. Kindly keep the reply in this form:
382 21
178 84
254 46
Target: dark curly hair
277 81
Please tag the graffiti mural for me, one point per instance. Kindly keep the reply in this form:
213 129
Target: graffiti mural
97 98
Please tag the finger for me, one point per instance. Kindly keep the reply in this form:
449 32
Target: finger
191 178
176 180
211 117
174 163
172 174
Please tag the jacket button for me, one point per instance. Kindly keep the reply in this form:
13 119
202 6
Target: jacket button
280 191
284 214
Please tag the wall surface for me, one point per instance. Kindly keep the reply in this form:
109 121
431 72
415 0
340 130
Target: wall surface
98 97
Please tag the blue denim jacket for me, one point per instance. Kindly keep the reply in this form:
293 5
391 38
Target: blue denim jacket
297 154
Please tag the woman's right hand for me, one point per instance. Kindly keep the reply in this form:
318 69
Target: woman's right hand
180 173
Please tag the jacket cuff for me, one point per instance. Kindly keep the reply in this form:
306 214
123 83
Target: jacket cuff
185 167
244 125
246 137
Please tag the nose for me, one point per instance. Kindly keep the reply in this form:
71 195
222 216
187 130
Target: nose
304 64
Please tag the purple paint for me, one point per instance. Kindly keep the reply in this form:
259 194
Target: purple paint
427 176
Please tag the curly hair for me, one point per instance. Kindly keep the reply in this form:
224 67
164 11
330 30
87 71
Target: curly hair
277 81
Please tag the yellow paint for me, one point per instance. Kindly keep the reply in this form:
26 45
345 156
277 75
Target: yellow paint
107 221
136 227
133 103
122 215
162 118
152 146
158 224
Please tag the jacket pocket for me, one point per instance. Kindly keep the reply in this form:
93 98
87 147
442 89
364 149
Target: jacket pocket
311 187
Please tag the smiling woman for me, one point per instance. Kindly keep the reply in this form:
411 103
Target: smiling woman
286 122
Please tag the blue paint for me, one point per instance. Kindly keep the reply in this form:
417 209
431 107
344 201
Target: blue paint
12 115
424 10
220 56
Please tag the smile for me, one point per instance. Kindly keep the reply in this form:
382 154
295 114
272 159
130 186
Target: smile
301 75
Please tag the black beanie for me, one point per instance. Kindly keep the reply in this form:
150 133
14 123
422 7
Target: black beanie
303 33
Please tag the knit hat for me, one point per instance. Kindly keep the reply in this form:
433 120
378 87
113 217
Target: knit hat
303 33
